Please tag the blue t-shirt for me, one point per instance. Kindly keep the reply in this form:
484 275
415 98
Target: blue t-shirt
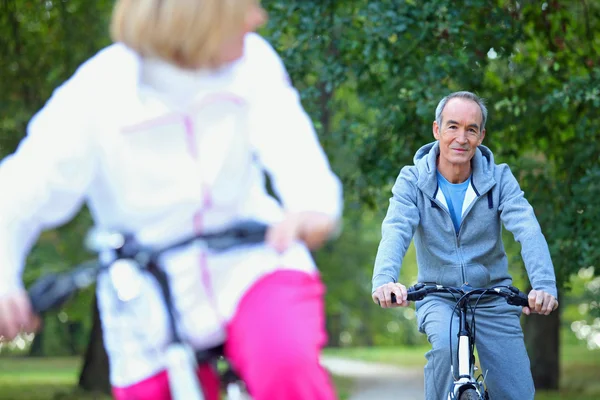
455 196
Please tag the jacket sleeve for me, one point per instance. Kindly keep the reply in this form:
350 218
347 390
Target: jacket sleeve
518 217
42 184
286 142
397 229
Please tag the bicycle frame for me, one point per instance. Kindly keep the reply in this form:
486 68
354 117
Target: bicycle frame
116 250
466 385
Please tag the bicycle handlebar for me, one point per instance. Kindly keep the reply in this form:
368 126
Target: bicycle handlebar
53 290
512 294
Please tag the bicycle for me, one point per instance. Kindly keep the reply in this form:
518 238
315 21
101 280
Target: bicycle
121 254
466 386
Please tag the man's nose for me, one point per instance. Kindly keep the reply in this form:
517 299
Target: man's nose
461 136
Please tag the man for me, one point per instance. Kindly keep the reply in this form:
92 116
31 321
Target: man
454 201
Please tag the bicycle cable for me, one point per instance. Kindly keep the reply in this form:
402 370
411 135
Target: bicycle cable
456 304
473 309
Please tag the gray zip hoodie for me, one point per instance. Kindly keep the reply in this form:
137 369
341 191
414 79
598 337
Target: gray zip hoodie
476 254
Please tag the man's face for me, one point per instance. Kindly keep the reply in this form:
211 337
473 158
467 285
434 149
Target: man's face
460 133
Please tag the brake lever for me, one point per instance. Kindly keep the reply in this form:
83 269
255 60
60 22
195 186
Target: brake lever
518 299
513 289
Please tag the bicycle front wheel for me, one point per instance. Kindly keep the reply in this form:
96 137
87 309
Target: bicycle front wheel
469 394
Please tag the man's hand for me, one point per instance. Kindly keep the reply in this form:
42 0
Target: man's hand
313 228
540 302
16 315
383 295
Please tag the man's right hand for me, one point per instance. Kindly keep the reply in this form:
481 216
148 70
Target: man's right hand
16 315
383 295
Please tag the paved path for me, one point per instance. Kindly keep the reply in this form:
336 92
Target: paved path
378 381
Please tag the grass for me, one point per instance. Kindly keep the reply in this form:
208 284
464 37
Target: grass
400 356
41 379
343 387
580 367
55 378
565 395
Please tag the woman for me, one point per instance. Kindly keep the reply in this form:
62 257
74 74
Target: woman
167 132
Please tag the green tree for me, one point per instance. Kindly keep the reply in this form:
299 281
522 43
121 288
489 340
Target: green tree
547 100
42 44
370 74
373 74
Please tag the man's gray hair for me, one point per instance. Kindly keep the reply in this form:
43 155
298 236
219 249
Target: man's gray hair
461 95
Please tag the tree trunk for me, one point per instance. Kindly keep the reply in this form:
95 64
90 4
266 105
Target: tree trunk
542 340
333 327
37 347
74 329
94 374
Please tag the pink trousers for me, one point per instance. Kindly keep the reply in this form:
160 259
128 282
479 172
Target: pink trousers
273 343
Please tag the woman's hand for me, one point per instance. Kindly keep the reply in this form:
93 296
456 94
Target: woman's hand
16 315
311 227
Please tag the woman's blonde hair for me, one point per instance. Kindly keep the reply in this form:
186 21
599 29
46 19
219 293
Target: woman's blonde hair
188 33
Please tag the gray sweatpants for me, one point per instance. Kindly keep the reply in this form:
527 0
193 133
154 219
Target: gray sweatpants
499 344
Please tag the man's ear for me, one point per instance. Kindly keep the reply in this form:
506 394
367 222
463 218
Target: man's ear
436 130
482 136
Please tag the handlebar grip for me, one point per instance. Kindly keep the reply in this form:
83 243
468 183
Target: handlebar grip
50 291
412 295
251 229
244 233
53 290
415 295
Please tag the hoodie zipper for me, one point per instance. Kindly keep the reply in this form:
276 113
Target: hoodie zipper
462 220
456 241
457 235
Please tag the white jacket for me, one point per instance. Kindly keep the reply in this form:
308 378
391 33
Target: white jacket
165 167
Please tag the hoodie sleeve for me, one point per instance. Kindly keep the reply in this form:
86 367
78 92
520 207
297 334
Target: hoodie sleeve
518 217
42 184
286 142
397 229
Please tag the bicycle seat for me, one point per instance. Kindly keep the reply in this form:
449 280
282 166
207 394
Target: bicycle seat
207 355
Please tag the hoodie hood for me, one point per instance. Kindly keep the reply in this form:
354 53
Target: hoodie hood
482 163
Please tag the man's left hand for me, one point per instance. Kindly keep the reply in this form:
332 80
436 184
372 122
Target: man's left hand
540 302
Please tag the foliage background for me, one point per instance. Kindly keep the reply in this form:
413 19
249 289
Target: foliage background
370 74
